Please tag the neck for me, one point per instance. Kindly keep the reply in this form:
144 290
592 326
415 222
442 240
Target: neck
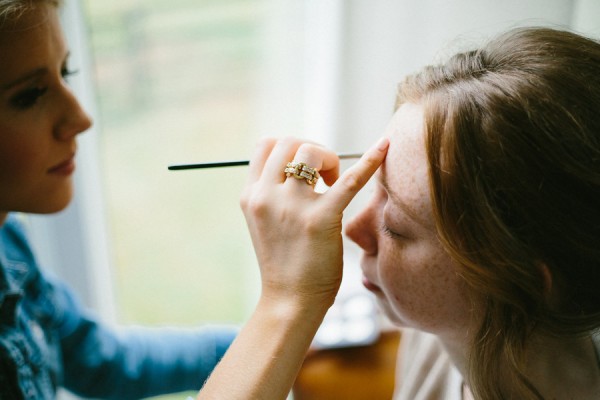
458 350
3 217
564 367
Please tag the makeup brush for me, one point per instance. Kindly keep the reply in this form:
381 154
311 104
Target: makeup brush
220 164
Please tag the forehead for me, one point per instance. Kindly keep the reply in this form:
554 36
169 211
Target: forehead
30 38
405 171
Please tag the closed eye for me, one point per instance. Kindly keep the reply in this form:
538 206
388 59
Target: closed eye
28 97
391 234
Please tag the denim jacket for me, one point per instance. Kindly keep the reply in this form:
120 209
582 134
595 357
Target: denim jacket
47 340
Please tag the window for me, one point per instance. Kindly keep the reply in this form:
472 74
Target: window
177 82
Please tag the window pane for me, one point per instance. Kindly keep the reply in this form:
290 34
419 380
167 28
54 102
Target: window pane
176 82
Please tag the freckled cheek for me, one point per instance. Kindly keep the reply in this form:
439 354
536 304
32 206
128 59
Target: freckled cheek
398 274
420 288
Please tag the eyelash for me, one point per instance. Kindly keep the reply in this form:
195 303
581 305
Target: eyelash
28 97
391 234
65 72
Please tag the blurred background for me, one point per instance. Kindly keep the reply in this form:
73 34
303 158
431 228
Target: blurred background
185 81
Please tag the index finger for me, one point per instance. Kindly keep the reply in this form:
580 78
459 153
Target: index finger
349 184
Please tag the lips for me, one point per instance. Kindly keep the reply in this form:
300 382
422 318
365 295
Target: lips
370 285
64 168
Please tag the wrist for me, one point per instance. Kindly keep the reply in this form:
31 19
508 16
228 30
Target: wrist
296 313
265 358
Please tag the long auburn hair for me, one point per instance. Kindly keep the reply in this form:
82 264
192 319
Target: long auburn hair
513 144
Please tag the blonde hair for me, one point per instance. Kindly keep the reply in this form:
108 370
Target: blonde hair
513 142
13 9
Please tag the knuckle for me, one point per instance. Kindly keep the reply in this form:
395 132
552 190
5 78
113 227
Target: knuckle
307 148
289 141
243 202
266 141
255 204
352 181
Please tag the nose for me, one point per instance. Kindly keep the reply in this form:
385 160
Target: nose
362 229
73 119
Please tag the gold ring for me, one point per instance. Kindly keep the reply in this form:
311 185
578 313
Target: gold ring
300 170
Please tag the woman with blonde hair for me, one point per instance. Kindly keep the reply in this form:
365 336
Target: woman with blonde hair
47 338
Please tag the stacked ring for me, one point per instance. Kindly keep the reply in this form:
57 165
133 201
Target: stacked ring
300 170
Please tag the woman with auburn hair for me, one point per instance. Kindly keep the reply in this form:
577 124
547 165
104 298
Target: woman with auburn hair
513 146
481 241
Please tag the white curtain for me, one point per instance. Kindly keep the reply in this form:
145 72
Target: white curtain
349 60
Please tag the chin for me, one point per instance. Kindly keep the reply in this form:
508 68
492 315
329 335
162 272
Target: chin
53 204
56 209
57 206
45 209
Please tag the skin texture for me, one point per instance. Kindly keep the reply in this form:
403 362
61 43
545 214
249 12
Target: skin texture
39 115
404 263
418 284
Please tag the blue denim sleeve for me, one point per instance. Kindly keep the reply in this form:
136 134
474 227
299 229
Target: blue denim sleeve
134 362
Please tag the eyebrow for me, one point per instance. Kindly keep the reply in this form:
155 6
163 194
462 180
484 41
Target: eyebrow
36 73
400 202
27 77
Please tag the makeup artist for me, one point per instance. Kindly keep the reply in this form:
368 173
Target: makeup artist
47 339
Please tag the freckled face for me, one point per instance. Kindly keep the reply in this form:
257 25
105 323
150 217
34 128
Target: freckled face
39 116
403 262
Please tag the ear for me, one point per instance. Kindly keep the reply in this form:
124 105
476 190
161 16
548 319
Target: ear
546 279
549 289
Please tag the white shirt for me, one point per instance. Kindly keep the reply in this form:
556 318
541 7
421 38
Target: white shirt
425 371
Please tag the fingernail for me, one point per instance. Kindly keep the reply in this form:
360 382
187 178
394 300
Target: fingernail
383 143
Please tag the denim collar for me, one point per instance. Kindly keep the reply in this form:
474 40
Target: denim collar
13 272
